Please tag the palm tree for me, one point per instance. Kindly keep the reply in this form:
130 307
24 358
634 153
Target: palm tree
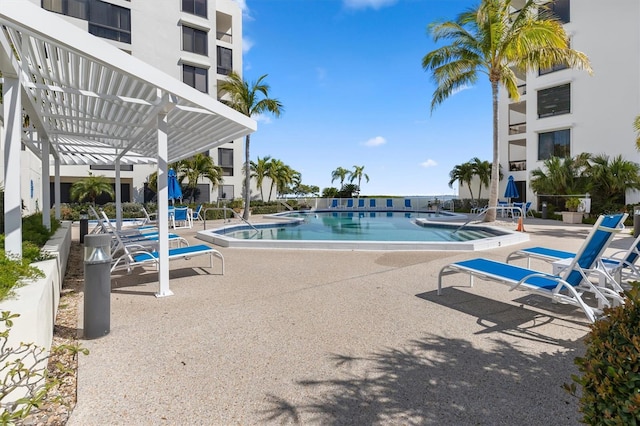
358 173
260 170
91 188
563 176
339 174
250 100
481 169
196 167
498 41
462 173
610 179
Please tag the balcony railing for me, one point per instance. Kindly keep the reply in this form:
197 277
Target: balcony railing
517 166
517 128
226 37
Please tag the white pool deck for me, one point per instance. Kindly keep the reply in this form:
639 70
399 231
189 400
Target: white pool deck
341 337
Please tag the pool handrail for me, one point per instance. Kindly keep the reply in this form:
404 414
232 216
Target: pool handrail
224 209
484 212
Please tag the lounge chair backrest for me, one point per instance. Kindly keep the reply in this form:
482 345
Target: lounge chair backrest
407 202
180 213
361 202
372 203
593 246
350 203
334 203
196 213
389 202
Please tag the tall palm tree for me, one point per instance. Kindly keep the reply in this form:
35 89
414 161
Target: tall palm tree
260 170
358 173
339 174
91 188
481 169
496 40
196 167
250 100
462 173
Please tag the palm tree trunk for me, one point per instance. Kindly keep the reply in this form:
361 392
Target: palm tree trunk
495 167
247 179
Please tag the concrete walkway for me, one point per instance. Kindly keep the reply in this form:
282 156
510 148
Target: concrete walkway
334 337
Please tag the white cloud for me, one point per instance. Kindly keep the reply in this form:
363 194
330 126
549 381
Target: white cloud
460 89
262 118
428 163
377 141
247 44
363 4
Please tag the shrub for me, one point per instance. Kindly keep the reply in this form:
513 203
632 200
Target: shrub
610 369
25 373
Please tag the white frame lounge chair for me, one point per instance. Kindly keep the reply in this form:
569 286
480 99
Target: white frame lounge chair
390 203
361 203
144 257
618 266
566 287
181 218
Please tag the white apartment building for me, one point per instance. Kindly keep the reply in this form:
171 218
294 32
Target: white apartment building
565 112
196 41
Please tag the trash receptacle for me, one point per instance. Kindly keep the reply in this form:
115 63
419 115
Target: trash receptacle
544 210
84 225
636 221
97 285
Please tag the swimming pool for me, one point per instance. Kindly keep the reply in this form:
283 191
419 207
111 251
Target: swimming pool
362 231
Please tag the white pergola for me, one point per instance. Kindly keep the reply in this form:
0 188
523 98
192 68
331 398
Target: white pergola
91 103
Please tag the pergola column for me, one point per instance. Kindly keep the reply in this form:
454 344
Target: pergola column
12 130
163 209
118 195
46 191
56 187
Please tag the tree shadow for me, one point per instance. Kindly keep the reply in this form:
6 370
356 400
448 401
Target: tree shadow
444 381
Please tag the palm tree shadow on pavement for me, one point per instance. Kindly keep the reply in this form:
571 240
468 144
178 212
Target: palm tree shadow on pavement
435 380
438 380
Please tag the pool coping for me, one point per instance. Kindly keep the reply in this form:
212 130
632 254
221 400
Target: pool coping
506 238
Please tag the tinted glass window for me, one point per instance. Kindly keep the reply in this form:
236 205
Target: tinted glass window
554 144
554 101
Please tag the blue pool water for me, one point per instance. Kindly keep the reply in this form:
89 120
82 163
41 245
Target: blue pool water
359 226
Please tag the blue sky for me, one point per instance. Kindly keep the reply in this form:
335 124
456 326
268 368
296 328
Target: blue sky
349 75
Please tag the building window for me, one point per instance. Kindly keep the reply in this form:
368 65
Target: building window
225 160
225 61
109 21
196 7
74 8
561 10
554 144
225 192
194 40
195 77
554 101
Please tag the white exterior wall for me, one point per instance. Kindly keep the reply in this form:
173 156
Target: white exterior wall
603 105
156 38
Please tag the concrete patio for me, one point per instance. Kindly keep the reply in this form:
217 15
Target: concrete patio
334 337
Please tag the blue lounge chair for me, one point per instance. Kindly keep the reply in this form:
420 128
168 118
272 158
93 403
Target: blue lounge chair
350 203
617 267
143 257
361 203
407 204
566 287
372 203
334 204
389 203
197 213
181 218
